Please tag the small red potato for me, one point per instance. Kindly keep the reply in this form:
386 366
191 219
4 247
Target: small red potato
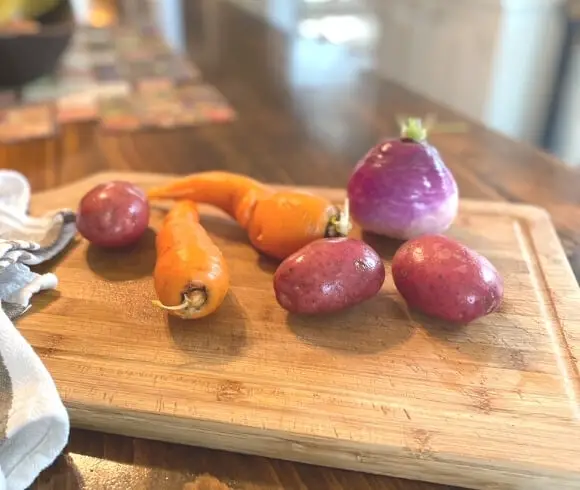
328 275
445 279
114 214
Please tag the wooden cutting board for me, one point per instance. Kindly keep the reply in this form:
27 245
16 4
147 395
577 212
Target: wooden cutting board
493 405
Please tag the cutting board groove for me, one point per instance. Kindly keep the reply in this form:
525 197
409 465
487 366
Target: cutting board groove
493 405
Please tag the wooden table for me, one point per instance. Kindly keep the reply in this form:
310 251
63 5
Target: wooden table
300 121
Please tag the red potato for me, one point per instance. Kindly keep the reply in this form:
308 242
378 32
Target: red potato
114 214
445 279
328 275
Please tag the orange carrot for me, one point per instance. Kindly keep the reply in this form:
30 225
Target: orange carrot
278 222
191 276
235 194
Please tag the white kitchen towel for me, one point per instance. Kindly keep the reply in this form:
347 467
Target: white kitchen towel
34 424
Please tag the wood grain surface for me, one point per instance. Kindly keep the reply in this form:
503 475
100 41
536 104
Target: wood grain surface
377 389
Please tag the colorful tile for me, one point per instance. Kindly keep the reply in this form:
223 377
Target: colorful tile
126 77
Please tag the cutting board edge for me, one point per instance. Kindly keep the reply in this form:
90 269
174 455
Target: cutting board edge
148 178
323 451
539 226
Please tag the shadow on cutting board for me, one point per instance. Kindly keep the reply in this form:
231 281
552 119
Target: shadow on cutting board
268 264
42 300
385 247
364 329
225 228
218 338
480 342
124 264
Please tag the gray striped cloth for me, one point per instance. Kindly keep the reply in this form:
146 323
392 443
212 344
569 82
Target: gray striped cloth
34 424
25 242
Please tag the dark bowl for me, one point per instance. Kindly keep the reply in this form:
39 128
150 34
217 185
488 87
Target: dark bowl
24 57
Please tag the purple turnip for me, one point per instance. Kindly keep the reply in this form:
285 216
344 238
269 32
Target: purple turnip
402 188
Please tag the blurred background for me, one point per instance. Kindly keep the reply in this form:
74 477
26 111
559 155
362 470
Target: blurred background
512 65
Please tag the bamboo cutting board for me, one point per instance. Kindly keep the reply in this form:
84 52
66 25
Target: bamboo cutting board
493 405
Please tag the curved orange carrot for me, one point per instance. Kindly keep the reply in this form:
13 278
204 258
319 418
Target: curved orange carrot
191 277
233 193
278 223
286 221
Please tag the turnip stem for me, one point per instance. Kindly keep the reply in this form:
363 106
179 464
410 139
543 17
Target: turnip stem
413 129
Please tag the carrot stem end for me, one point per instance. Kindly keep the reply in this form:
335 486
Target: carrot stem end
193 301
340 225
